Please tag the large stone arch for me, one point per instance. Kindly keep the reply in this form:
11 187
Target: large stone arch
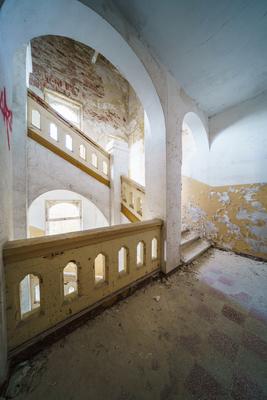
94 31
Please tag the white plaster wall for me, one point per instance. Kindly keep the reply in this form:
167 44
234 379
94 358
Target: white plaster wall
47 171
91 215
5 208
238 153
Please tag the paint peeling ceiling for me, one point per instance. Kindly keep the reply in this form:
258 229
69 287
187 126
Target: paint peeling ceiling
217 50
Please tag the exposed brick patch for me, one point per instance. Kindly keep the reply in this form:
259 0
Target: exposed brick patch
255 344
224 344
245 389
190 343
233 315
226 281
202 385
206 312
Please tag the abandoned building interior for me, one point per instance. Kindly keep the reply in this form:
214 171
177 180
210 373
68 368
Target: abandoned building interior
133 199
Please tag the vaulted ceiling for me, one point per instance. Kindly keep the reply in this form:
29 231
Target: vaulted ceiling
217 50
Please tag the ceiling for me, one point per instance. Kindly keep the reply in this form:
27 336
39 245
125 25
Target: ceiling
217 50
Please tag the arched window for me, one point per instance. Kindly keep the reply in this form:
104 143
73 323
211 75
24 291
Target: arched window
70 279
36 119
63 216
29 288
140 254
105 167
94 160
82 152
154 248
53 131
122 260
68 142
100 268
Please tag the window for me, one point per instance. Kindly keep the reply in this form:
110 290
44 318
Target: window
53 131
154 249
63 216
36 119
70 278
82 152
68 142
105 167
29 295
69 109
140 254
100 268
122 259
94 160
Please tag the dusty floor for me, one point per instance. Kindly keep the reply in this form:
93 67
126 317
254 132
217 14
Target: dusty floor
205 337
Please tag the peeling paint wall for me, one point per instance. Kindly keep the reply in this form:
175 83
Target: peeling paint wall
65 66
233 217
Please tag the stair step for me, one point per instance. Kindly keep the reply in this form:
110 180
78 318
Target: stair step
188 237
194 250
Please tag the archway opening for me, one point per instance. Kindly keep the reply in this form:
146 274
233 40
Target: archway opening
62 211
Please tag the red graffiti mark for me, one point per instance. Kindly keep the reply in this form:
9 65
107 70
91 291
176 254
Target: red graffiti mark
7 115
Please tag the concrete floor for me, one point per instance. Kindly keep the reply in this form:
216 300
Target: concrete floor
204 338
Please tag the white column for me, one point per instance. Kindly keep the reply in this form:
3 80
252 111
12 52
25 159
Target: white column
173 180
119 152
19 153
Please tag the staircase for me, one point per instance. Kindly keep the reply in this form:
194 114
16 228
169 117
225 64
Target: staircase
192 246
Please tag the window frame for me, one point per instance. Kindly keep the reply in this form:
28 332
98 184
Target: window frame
66 101
51 203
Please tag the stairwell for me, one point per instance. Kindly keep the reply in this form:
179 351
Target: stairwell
192 246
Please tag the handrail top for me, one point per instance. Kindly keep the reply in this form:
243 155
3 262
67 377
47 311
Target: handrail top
133 183
50 109
18 250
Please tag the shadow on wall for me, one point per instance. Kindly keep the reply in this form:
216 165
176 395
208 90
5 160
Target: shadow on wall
61 211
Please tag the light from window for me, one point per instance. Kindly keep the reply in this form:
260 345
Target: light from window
68 142
69 109
53 131
29 288
154 249
70 277
94 160
122 259
140 250
63 216
36 119
105 167
100 267
82 152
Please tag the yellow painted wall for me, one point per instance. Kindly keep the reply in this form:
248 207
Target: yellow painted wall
233 217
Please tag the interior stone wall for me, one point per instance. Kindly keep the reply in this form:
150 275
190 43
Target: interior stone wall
233 217
65 66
